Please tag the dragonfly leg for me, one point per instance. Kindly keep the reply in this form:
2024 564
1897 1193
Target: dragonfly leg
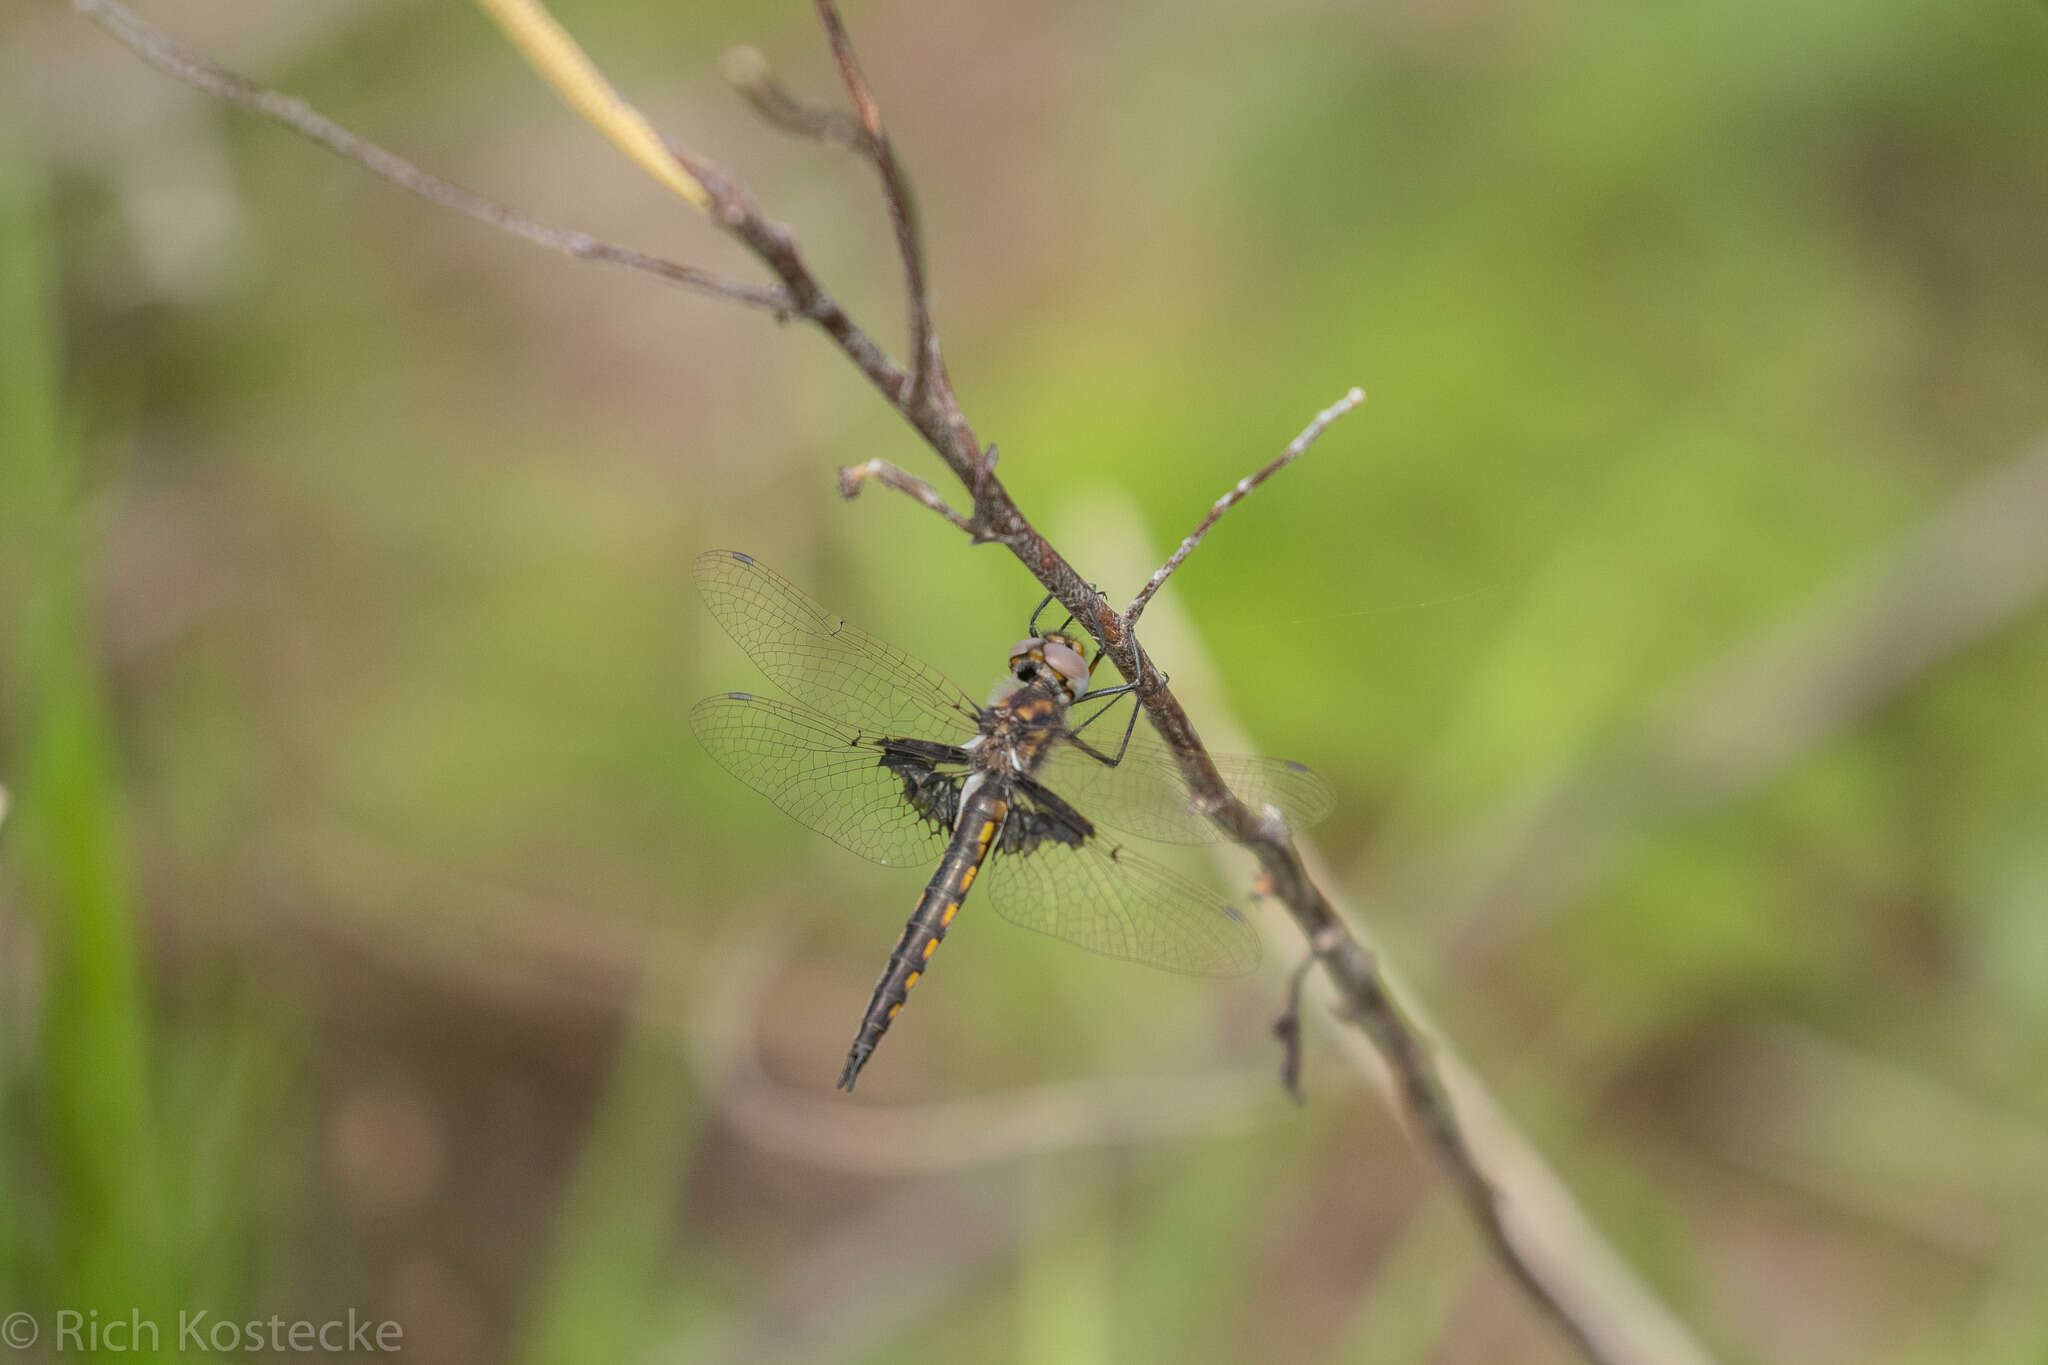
1110 694
1107 760
1032 628
1046 601
1144 665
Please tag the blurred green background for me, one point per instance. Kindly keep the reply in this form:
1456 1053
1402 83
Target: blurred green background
373 933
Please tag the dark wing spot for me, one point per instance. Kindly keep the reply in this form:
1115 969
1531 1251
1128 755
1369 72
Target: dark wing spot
741 696
1234 913
1038 817
743 558
934 795
1296 767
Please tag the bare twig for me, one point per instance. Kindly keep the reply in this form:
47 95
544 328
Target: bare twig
734 210
156 48
1287 1028
924 341
749 73
1238 493
852 476
1602 1330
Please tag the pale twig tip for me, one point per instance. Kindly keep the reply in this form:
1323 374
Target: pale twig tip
745 67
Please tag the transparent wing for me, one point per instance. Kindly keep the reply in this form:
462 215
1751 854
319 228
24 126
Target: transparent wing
1145 794
1110 900
828 665
823 772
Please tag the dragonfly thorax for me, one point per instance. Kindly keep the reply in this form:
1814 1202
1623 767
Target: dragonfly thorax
1018 732
1053 660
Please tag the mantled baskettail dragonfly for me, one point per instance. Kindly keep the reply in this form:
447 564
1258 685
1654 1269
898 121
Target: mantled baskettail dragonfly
889 758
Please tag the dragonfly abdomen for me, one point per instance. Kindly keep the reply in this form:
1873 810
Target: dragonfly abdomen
983 808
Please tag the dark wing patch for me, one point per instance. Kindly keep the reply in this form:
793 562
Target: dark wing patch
883 798
1054 872
1038 817
830 666
933 794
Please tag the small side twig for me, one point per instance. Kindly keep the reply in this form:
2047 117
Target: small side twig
852 476
1287 1028
924 346
156 48
748 72
1238 493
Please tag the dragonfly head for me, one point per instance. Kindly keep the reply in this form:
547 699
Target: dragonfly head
1055 659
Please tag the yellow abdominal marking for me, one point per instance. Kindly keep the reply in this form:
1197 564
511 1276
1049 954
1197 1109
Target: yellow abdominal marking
929 945
967 877
911 980
947 917
988 832
895 1009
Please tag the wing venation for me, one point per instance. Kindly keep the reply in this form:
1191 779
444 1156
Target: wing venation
847 783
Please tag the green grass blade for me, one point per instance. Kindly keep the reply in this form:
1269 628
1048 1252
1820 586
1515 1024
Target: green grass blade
64 850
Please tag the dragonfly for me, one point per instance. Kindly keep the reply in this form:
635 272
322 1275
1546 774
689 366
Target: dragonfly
889 758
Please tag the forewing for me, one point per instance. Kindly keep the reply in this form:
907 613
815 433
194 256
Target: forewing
1076 885
1146 795
824 772
828 665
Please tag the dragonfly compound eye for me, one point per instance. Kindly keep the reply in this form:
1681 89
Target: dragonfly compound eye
1050 658
1026 657
1066 661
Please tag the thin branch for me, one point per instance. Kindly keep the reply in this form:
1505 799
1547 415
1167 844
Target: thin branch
734 210
161 52
924 340
1287 1028
1238 494
748 72
852 476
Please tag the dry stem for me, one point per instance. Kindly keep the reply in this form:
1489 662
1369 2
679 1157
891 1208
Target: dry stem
160 52
1238 493
924 338
749 73
852 476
